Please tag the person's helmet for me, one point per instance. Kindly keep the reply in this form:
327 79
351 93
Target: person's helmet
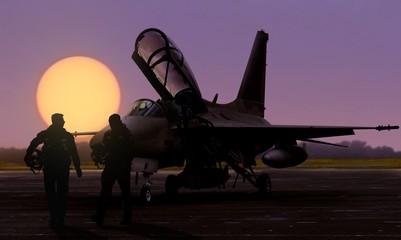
35 161
115 121
99 155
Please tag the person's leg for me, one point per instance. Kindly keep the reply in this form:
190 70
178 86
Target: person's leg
124 181
107 180
50 190
63 176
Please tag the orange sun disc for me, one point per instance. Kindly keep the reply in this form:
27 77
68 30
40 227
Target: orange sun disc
83 89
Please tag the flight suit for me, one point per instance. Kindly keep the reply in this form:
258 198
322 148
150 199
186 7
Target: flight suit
57 151
118 143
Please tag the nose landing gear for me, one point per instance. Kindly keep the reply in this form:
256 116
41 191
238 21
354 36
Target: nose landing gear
146 193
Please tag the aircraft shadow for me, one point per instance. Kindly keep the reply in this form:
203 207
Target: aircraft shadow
203 197
68 233
157 232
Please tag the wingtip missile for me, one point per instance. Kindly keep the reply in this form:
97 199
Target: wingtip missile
388 127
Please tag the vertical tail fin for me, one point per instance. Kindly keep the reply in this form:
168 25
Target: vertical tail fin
251 95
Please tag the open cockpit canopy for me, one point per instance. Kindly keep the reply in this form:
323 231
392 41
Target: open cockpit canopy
164 66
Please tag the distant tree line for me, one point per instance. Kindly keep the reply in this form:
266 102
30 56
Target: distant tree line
355 149
17 155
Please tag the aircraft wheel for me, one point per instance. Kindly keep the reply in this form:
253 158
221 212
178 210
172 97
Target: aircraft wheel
264 184
172 185
146 194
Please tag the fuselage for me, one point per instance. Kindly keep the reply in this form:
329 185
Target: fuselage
156 135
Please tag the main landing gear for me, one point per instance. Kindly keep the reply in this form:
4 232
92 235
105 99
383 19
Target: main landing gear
199 178
194 179
173 183
146 193
261 182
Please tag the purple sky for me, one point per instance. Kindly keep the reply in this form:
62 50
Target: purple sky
329 62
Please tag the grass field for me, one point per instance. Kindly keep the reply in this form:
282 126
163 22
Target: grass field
21 166
352 163
310 163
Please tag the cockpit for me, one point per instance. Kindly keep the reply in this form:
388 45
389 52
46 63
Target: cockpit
163 64
145 107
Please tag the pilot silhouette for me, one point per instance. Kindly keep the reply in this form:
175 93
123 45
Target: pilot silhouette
57 151
118 142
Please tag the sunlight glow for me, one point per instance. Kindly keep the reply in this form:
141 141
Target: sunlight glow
83 89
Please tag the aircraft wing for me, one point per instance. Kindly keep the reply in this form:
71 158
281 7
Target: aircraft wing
83 133
277 133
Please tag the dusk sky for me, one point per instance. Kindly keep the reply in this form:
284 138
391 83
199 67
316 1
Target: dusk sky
329 62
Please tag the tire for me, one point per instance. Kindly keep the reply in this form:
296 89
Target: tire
264 184
172 185
146 195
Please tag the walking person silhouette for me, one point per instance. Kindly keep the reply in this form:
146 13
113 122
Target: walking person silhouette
118 142
57 152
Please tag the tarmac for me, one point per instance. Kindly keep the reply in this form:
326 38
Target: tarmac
304 204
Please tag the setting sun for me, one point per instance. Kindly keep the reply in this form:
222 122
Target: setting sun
83 89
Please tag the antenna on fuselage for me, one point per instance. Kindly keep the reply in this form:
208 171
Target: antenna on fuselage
215 98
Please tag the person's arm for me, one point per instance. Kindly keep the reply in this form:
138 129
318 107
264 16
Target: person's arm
75 156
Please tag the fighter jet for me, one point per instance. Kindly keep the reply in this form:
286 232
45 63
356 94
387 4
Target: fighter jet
205 138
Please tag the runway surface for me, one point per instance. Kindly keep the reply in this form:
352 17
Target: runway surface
305 204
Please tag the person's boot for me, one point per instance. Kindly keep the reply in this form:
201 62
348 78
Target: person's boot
97 220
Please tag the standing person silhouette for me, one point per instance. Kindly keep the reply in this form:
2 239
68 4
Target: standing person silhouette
57 151
118 142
